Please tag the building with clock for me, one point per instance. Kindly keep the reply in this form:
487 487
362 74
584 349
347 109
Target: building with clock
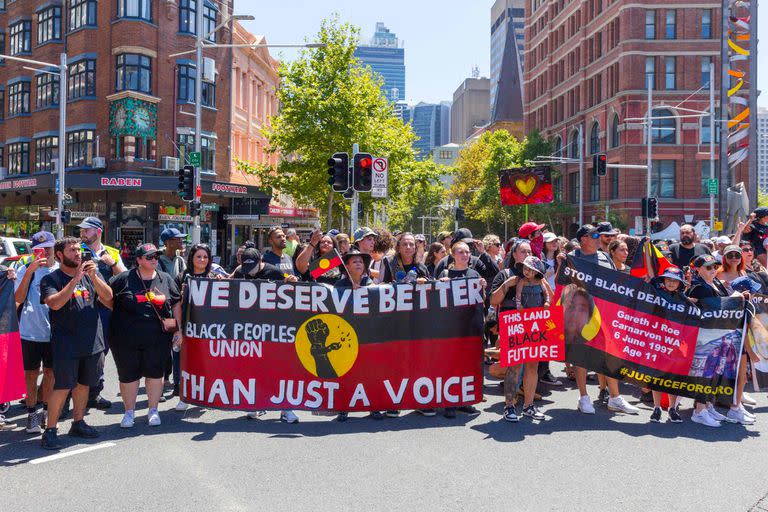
130 117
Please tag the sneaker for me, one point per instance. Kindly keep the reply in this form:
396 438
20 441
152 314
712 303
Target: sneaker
289 417
33 423
747 413
181 406
427 412
748 400
603 395
656 415
342 417
704 418
127 421
713 412
162 399
99 403
618 404
469 409
254 415
82 429
50 440
392 414
43 418
534 413
738 416
510 414
674 415
550 379
646 397
450 412
376 415
585 405
153 418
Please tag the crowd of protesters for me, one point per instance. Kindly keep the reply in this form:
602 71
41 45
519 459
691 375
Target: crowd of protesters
77 302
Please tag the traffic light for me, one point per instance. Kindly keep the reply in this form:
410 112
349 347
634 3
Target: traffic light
195 209
338 171
362 169
459 214
187 183
600 164
66 216
650 207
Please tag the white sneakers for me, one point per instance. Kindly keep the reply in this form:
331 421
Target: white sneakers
127 421
746 399
181 406
289 417
618 404
740 415
585 405
705 418
153 418
714 413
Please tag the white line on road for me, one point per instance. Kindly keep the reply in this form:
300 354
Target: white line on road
73 452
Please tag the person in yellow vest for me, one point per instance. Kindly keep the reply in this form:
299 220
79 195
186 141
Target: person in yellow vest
108 264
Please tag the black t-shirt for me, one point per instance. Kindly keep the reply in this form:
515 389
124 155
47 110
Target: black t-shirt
284 263
682 257
75 327
267 273
483 264
757 236
460 274
391 263
137 303
510 298
346 282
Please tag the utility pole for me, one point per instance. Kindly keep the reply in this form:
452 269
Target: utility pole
62 143
581 174
649 157
712 135
198 117
355 197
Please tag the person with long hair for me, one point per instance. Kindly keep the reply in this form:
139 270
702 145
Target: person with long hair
434 255
403 262
618 251
342 243
319 245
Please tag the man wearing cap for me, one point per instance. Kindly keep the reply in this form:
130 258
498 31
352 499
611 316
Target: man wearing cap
444 237
607 235
276 255
170 261
533 233
35 327
687 249
757 233
480 261
588 236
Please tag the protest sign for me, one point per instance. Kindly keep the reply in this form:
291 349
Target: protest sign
263 345
623 327
757 337
530 335
11 367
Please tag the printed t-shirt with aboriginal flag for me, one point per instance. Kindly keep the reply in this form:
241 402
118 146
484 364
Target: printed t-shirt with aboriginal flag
138 302
75 327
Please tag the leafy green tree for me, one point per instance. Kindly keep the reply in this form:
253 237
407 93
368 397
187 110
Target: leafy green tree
421 198
328 101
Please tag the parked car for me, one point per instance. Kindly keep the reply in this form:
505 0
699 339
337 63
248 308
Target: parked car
11 249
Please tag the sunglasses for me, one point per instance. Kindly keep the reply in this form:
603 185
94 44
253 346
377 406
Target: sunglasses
595 236
496 244
733 256
151 257
746 249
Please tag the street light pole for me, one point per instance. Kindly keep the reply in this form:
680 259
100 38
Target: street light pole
62 143
711 143
649 161
198 115
581 174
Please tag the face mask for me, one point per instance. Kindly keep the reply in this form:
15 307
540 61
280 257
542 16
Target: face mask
537 245
686 240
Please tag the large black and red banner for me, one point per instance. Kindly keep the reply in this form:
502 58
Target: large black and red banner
12 384
262 345
623 327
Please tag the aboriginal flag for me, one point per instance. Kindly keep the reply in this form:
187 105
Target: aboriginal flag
11 367
324 264
648 261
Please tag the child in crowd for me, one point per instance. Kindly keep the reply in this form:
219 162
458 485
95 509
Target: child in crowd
530 291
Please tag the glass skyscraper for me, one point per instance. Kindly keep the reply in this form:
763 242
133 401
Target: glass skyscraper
386 56
431 124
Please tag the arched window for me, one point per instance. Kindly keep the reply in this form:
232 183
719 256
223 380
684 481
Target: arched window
594 139
558 146
574 145
615 131
663 131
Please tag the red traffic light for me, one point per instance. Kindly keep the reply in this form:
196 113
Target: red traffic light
365 162
603 158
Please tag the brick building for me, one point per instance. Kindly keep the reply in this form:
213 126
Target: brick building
128 116
588 63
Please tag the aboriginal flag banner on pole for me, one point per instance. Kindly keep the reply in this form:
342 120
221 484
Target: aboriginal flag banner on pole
256 345
325 264
623 327
11 367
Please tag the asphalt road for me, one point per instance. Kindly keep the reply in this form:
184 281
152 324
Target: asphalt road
213 460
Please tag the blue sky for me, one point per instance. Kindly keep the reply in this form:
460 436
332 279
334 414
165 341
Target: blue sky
444 39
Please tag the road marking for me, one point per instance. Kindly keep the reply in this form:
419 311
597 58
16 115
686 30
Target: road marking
73 452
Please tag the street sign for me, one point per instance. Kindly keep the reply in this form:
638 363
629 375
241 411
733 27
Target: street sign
380 177
68 200
210 207
713 187
194 158
718 225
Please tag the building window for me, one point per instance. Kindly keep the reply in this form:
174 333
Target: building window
575 150
670 63
18 99
704 132
133 72
594 187
663 131
79 148
650 24
141 9
615 131
82 13
705 62
21 37
650 72
706 24
594 139
2 46
663 178
557 185
209 21
46 90
573 187
558 146
187 16
614 183
81 80
670 29
2 106
186 92
46 149
49 24
207 150
18 158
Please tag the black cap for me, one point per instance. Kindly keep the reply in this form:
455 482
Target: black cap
585 230
354 252
761 212
461 235
249 261
606 228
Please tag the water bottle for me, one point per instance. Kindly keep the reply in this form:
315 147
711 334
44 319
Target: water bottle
410 277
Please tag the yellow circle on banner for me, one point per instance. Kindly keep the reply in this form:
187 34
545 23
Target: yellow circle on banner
327 346
324 263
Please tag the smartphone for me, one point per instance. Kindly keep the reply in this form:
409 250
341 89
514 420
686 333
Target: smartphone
38 253
87 256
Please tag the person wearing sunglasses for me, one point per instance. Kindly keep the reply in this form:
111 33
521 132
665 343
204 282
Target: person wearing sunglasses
146 316
493 248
